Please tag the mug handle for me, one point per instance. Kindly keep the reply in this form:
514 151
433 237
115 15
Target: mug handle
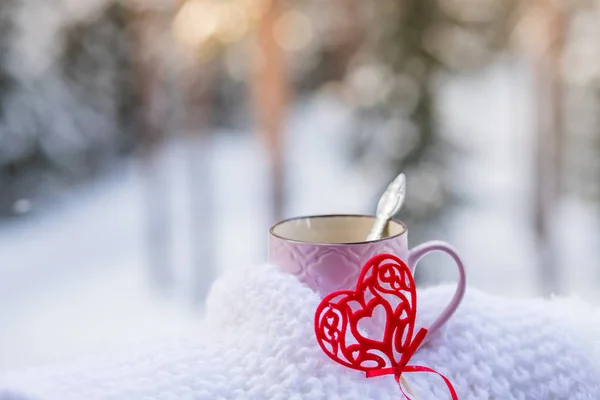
417 253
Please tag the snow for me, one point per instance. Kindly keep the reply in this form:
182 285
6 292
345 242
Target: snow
75 279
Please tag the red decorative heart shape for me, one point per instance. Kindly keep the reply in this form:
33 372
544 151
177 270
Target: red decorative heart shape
381 346
385 283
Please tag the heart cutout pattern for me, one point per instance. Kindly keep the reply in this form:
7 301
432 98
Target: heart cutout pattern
384 283
381 346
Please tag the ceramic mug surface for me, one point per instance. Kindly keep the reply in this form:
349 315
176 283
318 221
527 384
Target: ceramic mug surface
327 252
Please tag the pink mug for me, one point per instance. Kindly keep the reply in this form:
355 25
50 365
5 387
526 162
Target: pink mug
327 252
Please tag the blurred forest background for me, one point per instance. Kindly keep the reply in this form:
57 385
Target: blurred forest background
145 146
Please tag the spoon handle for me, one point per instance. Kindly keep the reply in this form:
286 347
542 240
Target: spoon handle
378 228
389 204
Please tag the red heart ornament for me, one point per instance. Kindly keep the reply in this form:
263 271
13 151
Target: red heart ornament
353 334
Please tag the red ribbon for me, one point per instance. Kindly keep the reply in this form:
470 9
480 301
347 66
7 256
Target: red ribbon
398 371
401 368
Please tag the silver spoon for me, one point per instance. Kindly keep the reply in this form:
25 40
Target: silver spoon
390 203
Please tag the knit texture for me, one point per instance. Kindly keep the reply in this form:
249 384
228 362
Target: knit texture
259 344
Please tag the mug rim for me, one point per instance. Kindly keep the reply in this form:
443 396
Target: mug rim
373 217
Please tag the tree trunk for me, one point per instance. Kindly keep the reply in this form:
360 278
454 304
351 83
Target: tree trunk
549 138
271 93
151 136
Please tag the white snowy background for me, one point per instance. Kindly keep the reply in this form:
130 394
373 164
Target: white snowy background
74 279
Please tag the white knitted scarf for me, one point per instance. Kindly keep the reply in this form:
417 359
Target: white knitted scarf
260 344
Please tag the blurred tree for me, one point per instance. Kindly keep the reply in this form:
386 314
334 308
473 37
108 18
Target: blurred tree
6 27
550 138
581 74
9 164
69 120
411 45
96 61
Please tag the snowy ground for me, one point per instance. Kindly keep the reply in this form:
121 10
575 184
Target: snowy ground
75 280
